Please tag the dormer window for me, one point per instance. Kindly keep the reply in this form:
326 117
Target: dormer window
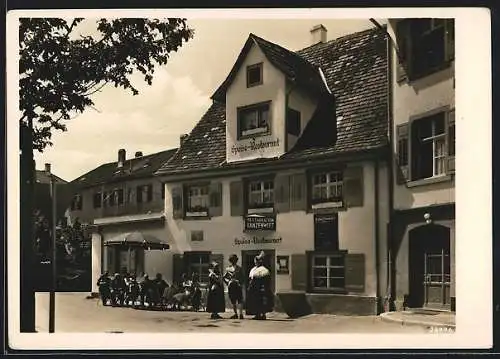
254 75
254 120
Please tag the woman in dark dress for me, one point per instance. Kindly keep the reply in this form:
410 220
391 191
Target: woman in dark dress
260 299
215 299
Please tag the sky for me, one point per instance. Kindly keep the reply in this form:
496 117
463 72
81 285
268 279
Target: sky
180 94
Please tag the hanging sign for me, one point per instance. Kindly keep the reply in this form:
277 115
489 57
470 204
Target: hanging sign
260 222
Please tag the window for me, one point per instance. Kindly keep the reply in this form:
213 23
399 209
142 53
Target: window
198 263
98 200
254 75
429 151
144 193
427 45
327 187
328 272
293 122
77 203
254 120
198 201
261 194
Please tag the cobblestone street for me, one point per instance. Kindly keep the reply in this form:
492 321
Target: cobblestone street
75 313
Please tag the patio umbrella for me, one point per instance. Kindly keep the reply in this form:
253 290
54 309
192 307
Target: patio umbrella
137 240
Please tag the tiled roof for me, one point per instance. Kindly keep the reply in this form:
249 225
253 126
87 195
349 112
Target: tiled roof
133 168
355 68
43 177
294 67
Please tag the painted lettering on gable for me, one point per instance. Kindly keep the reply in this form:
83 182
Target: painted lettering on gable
254 145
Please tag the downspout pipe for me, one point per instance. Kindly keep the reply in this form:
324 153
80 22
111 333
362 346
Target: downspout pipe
390 44
377 235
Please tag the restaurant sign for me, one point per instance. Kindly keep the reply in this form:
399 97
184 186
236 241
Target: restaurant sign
257 240
260 222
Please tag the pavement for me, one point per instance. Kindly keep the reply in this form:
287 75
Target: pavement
422 317
77 314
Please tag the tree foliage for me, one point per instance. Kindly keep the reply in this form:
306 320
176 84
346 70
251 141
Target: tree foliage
60 70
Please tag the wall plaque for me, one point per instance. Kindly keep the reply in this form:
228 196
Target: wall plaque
282 264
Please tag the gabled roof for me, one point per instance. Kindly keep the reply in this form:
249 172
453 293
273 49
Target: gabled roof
43 177
354 120
293 66
132 168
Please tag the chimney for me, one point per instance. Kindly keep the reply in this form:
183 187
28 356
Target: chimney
318 34
47 167
183 138
138 154
121 157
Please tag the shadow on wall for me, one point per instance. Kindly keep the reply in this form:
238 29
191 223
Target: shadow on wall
429 81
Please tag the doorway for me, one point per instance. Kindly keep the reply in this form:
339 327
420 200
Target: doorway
247 263
429 267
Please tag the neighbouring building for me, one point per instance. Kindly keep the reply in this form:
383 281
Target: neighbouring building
423 225
124 203
292 158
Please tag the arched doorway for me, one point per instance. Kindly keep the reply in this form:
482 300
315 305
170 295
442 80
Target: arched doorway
429 267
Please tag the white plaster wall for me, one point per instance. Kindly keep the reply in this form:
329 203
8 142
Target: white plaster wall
356 232
383 205
300 100
423 95
272 89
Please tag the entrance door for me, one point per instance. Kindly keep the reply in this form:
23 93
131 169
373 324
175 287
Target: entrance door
247 263
429 267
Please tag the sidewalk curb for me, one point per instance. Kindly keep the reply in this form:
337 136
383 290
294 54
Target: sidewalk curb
388 317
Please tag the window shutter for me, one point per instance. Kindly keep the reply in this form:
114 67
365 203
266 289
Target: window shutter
150 192
177 208
219 258
404 57
451 142
354 272
282 188
139 194
178 267
353 186
402 141
299 271
215 209
450 39
299 192
236 193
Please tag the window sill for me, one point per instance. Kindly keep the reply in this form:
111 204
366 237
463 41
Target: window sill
327 291
429 181
264 210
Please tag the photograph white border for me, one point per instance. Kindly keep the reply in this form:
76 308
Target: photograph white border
473 196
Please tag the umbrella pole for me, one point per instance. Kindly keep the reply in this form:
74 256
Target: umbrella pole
128 266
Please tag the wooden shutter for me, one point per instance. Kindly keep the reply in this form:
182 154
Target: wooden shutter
282 193
215 191
236 194
178 267
219 258
450 39
177 208
353 186
402 143
403 41
138 194
150 192
354 272
299 271
299 192
450 165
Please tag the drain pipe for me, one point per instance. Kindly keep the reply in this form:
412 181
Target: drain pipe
390 43
377 234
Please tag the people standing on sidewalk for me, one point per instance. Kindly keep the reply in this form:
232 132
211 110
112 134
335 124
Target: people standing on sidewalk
234 280
260 299
215 299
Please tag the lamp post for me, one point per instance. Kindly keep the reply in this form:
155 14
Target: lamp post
52 299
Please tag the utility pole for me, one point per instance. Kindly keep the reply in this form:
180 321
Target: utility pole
27 260
52 299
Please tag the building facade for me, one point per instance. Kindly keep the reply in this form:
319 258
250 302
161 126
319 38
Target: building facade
423 102
123 200
291 159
